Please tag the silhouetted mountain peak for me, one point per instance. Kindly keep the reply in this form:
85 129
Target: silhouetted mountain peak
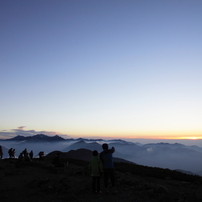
37 138
17 138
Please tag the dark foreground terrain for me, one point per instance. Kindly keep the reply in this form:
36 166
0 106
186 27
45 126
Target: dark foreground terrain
40 181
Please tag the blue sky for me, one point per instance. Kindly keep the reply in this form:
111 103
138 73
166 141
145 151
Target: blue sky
101 68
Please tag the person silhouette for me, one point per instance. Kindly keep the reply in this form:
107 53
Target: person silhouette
11 153
31 154
96 169
107 160
41 155
1 152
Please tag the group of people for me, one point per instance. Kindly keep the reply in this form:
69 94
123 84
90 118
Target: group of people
29 155
102 165
25 155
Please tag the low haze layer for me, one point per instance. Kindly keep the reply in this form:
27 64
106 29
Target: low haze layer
186 158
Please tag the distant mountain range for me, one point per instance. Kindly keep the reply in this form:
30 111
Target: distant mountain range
37 138
163 155
56 138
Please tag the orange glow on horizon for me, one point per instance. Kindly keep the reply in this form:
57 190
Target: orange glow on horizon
191 138
166 137
169 134
154 137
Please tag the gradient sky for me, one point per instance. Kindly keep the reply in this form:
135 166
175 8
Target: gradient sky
108 68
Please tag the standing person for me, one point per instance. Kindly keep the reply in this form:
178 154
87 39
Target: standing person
106 158
96 169
11 153
1 152
31 154
26 155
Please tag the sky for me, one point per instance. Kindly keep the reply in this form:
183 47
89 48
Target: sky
105 68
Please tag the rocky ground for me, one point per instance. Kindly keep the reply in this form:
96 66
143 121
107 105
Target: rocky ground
39 181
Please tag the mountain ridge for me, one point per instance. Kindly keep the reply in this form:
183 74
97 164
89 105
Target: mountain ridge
36 138
164 155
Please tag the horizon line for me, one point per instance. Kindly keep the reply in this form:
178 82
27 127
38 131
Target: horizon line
114 138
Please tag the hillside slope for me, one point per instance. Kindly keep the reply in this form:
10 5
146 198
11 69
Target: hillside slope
41 181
